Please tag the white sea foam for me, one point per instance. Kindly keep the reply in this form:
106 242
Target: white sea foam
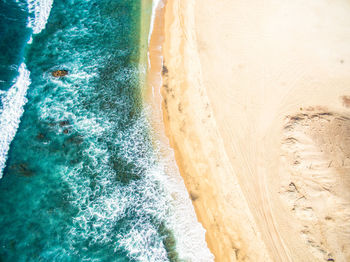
155 5
15 98
113 205
40 11
10 113
188 232
160 194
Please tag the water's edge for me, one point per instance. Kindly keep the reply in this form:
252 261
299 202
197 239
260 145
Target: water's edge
86 167
189 233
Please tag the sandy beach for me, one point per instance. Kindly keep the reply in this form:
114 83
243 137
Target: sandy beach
256 106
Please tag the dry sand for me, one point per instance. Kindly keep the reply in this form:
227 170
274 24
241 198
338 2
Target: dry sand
256 105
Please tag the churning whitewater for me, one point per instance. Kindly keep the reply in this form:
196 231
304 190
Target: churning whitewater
11 111
14 99
82 178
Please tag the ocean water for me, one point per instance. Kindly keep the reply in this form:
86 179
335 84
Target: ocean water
82 180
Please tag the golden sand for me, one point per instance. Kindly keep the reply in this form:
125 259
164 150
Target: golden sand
256 107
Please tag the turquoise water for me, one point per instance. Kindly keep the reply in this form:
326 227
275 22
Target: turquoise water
13 36
79 181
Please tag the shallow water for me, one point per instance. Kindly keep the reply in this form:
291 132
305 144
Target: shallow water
77 183
13 36
83 180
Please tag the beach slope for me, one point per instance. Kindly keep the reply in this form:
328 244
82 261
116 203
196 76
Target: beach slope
256 98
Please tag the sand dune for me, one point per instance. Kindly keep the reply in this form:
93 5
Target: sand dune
256 106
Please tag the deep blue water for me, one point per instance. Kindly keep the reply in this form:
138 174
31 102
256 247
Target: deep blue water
79 183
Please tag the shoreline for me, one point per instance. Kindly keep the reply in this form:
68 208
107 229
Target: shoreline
199 160
146 13
188 232
229 116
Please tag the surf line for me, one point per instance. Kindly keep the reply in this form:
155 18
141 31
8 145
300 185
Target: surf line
14 99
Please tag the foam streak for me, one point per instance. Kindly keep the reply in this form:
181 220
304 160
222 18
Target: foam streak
41 10
15 98
11 112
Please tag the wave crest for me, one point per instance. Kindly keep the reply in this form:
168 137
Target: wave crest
10 113
14 99
39 14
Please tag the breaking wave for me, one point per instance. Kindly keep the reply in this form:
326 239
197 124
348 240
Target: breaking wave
14 99
39 13
92 185
10 113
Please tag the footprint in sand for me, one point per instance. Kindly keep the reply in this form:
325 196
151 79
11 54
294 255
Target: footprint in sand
316 148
